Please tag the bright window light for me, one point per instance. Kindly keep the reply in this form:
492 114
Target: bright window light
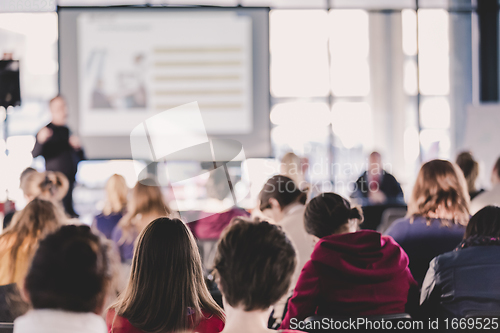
435 113
351 122
409 23
299 57
410 77
411 145
301 114
435 144
296 137
434 62
350 75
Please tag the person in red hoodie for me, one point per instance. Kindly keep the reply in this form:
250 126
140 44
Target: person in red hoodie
351 273
166 291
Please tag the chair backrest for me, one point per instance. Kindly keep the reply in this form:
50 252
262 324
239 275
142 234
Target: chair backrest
6 327
389 216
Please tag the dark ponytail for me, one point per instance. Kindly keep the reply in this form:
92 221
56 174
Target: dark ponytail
327 213
284 190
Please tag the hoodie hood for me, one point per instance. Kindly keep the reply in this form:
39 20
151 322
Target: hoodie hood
363 254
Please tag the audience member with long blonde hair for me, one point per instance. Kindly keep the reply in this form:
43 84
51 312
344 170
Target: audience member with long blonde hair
438 212
22 180
114 207
146 204
18 244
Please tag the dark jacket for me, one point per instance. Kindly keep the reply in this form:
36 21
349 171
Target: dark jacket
463 281
58 153
353 274
423 242
387 185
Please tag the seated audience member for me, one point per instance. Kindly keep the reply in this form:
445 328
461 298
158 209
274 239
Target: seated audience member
470 168
67 284
49 185
491 197
8 217
437 214
18 244
465 281
114 207
254 265
166 291
295 168
283 202
145 205
351 272
219 209
377 186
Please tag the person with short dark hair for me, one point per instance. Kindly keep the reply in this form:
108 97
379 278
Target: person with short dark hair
166 291
282 200
491 197
465 281
254 264
470 168
67 284
351 272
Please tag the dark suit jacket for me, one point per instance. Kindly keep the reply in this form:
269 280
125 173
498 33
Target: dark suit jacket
388 185
58 153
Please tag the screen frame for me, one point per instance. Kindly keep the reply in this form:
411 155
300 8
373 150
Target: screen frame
256 144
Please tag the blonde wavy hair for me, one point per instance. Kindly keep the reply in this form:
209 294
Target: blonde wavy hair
116 195
146 200
49 185
38 219
440 185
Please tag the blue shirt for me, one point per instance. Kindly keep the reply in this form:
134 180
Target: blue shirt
106 223
125 249
423 242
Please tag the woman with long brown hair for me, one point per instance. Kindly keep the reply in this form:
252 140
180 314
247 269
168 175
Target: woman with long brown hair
438 212
145 205
18 244
166 291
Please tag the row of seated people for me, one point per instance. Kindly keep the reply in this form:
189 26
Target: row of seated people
437 224
72 270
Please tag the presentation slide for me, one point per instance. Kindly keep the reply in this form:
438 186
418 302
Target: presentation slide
137 64
119 66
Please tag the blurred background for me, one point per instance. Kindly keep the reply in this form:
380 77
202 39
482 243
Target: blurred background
346 77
